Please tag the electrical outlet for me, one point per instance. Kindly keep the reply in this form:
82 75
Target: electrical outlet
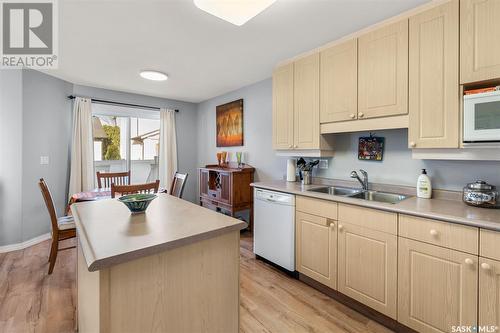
44 160
323 164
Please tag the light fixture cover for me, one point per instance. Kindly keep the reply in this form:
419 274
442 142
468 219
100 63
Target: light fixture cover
237 12
153 75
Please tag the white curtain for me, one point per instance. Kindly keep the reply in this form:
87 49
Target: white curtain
168 148
82 149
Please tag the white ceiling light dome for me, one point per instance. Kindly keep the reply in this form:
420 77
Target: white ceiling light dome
237 12
153 75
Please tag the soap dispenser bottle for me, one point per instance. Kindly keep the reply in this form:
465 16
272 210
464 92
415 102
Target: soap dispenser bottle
424 186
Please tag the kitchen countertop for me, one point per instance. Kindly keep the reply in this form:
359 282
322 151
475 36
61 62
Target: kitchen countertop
109 234
446 210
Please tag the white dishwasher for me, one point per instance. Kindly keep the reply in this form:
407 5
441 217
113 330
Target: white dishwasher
274 227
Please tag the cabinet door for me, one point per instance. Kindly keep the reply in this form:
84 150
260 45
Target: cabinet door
383 71
437 287
204 183
283 107
368 267
433 78
339 82
489 292
306 103
316 248
225 187
479 36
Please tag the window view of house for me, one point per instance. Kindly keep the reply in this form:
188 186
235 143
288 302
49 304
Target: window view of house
126 143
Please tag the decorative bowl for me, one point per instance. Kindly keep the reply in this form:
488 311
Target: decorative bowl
137 203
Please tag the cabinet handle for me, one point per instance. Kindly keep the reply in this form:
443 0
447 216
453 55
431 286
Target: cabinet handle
433 232
361 114
352 115
295 146
485 266
341 227
413 144
290 146
469 261
332 225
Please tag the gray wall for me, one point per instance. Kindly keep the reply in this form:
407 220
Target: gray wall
257 131
185 125
11 136
399 168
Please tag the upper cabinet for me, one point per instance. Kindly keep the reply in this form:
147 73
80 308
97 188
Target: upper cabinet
433 78
306 103
383 71
339 82
296 109
283 107
479 40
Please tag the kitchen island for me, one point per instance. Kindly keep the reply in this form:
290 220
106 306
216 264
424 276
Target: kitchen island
173 269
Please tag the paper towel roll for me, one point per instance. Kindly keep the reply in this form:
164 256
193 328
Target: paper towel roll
291 170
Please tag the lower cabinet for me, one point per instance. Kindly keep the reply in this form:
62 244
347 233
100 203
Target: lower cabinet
368 267
316 248
437 287
489 292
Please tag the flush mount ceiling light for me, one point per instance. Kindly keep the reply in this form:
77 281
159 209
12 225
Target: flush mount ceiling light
153 75
237 12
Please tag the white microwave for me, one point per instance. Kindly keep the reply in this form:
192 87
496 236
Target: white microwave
481 122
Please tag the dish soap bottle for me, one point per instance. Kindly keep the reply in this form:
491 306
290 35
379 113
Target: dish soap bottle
424 186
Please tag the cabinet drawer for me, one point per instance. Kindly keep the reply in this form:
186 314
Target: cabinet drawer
450 235
489 241
317 207
369 218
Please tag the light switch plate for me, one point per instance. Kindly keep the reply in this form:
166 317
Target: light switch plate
323 164
44 160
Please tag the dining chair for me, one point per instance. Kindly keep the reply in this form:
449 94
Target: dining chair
104 180
62 227
132 189
178 184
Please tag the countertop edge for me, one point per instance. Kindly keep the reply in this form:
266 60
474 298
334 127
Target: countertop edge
94 264
383 206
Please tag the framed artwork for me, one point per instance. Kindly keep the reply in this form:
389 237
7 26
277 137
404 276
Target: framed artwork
371 148
229 124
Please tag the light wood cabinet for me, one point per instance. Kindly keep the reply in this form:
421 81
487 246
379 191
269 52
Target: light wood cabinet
383 71
367 267
433 78
479 36
306 103
339 82
316 248
489 292
283 107
437 287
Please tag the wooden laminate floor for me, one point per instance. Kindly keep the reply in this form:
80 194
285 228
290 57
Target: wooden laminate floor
271 302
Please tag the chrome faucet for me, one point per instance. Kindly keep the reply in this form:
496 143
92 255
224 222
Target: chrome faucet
364 182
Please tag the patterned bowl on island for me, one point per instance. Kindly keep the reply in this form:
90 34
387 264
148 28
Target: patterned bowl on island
137 203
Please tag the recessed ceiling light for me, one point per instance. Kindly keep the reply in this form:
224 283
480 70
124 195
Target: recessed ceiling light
237 12
153 75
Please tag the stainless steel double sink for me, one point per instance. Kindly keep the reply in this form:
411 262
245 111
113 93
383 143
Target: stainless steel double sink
361 194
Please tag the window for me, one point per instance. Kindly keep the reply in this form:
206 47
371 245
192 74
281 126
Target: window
126 139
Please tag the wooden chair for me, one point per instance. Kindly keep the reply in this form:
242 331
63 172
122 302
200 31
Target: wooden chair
104 180
178 184
62 227
132 189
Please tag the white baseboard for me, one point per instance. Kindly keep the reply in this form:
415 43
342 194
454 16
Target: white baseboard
23 245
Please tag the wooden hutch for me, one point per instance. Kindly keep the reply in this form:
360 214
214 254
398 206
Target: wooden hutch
226 189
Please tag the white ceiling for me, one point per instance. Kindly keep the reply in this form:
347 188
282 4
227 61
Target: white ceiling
106 43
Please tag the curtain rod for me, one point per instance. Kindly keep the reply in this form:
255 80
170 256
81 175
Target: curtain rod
102 101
